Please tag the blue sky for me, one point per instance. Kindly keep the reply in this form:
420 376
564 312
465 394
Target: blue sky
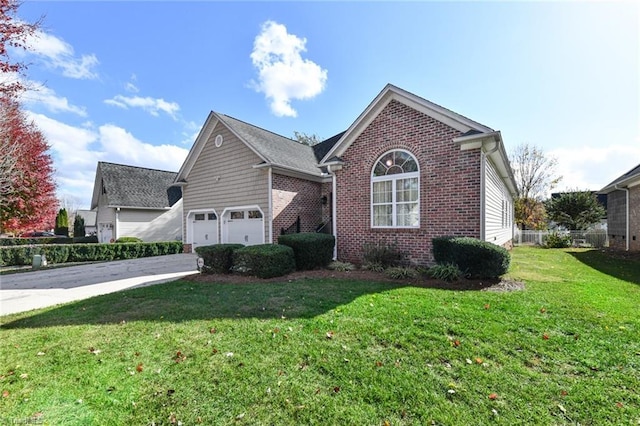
133 82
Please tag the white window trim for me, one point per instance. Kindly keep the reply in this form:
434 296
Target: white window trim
393 178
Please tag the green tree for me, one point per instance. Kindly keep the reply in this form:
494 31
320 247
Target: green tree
78 226
575 210
536 176
306 139
62 223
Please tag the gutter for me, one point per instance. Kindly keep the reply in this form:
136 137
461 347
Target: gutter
627 215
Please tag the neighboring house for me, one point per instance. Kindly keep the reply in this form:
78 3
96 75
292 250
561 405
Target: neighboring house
90 222
406 171
136 202
623 211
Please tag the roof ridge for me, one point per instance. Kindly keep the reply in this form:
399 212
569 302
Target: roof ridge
135 167
263 129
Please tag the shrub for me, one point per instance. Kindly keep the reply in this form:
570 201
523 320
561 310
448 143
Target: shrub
23 255
128 240
556 240
445 271
401 272
311 250
373 266
477 259
218 258
264 260
341 266
382 253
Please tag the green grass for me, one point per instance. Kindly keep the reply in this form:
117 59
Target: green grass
564 351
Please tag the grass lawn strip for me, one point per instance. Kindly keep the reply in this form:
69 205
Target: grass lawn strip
564 351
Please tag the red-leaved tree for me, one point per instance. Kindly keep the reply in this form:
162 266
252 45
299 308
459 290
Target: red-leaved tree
27 198
13 33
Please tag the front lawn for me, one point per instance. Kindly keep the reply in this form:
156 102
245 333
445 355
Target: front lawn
564 351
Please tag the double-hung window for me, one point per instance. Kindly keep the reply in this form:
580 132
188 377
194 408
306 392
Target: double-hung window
395 191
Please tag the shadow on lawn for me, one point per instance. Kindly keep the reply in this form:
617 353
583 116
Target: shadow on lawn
619 265
186 300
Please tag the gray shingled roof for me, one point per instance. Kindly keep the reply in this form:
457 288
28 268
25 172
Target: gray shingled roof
635 172
130 186
275 149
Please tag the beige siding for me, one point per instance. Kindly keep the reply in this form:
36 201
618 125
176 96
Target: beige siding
498 212
224 177
135 223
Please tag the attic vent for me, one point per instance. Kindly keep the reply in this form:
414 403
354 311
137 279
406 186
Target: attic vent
218 141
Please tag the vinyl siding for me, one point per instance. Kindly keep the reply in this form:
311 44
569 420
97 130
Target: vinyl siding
223 177
498 214
135 223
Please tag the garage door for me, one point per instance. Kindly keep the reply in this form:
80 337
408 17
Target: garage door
244 226
204 228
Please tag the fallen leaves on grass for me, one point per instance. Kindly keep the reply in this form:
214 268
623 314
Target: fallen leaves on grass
329 335
5 393
493 396
179 357
139 368
543 310
94 351
545 336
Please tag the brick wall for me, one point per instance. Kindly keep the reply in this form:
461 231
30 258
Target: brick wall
617 219
293 197
449 184
634 218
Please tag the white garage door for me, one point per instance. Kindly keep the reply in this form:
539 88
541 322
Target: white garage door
244 226
204 228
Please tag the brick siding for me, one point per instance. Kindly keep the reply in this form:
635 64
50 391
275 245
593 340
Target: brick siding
449 184
293 197
617 219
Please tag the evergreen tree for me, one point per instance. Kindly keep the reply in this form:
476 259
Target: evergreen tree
78 226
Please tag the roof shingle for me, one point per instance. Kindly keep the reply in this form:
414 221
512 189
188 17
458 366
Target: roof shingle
130 186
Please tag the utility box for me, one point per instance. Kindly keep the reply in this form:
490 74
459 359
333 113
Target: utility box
39 260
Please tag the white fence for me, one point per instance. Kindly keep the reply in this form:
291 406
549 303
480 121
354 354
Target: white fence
592 238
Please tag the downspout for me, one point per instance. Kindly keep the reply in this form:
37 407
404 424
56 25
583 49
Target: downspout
627 216
270 198
115 230
483 221
334 210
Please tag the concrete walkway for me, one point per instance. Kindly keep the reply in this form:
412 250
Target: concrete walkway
21 292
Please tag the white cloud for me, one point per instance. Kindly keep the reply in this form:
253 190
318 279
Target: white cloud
593 168
58 54
283 75
151 105
40 94
121 146
77 150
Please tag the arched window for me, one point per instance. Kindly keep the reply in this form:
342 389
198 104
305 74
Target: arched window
395 191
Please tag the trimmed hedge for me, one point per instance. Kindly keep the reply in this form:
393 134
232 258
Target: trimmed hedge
218 258
23 255
8 242
264 260
477 259
311 250
128 240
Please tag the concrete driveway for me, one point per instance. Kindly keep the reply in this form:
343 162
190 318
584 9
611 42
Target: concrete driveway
25 291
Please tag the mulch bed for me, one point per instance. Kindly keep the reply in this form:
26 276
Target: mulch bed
363 275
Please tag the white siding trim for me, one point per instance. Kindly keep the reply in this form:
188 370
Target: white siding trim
270 201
